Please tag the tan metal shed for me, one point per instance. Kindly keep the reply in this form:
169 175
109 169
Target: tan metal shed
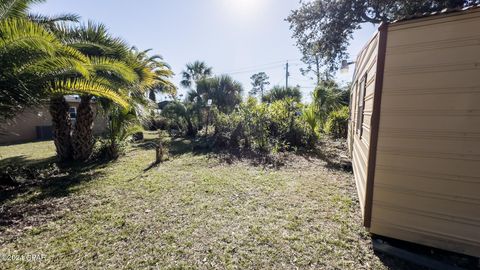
414 131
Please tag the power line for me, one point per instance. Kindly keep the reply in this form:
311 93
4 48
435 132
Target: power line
253 70
261 66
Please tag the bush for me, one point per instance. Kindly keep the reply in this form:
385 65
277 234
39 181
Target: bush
183 118
337 123
262 127
157 122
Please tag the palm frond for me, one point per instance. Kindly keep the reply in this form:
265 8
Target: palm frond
15 8
54 67
25 36
116 68
49 20
68 51
91 87
93 39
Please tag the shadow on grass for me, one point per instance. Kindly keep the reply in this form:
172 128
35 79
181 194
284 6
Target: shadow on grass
205 146
41 191
179 146
332 161
24 161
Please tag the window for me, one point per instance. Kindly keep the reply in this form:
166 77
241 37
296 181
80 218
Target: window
73 112
351 104
361 104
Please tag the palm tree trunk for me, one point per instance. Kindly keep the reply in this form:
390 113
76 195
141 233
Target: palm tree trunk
62 127
82 139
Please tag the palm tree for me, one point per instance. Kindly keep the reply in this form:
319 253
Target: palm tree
152 75
30 55
55 59
15 8
108 66
194 72
36 65
222 90
162 72
280 93
327 97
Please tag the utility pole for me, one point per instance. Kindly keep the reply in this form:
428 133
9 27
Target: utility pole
286 76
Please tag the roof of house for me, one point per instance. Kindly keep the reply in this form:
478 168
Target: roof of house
442 12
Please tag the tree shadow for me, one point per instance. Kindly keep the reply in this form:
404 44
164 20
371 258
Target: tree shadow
179 146
333 161
334 156
43 194
22 160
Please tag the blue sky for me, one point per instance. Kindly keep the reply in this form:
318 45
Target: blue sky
236 37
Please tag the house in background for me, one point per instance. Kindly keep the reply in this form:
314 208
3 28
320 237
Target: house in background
414 131
36 123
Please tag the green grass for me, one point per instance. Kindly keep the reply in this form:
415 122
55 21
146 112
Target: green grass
191 212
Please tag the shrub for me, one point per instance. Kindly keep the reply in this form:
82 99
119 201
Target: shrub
287 125
157 122
183 118
337 123
263 127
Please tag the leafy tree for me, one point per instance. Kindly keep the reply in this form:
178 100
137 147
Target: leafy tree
280 93
259 81
313 62
323 28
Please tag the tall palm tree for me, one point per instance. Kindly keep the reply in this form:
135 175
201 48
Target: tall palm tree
194 72
107 56
36 65
161 70
42 57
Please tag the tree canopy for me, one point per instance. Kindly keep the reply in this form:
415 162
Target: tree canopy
324 28
259 81
279 93
223 90
194 72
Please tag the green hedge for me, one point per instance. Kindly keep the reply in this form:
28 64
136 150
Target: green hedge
337 123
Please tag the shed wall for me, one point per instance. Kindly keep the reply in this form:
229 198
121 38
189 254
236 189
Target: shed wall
427 180
366 66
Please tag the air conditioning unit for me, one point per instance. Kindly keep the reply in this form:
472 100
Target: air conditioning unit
44 132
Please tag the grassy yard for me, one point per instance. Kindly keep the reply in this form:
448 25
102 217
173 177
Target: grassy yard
195 211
